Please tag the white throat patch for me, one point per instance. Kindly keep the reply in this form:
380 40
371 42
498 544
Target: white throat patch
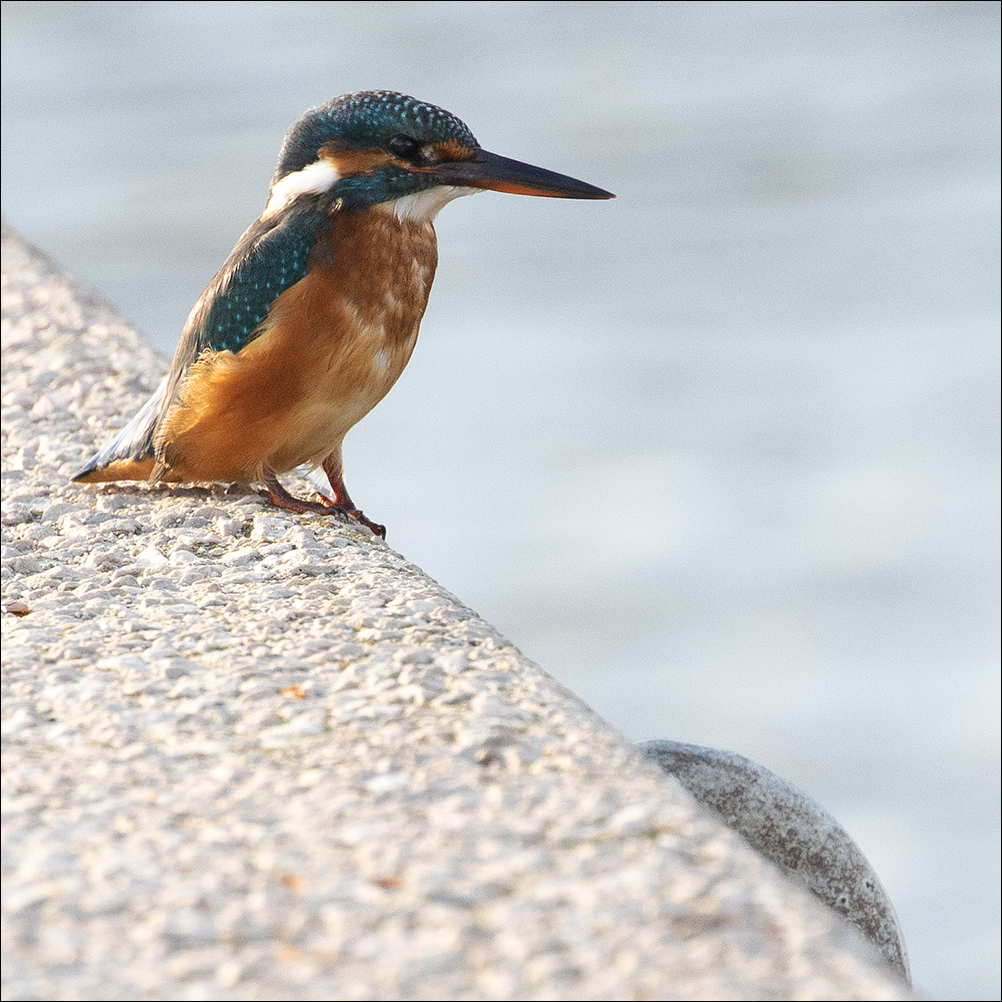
319 176
424 206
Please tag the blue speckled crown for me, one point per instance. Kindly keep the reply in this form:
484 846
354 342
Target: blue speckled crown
367 118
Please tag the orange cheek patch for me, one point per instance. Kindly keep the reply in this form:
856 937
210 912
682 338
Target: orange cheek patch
350 162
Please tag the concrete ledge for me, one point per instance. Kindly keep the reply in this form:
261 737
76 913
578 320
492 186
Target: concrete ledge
251 755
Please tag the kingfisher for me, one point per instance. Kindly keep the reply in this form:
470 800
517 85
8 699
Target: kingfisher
315 313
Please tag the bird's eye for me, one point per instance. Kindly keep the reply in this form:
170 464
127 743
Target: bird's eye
405 147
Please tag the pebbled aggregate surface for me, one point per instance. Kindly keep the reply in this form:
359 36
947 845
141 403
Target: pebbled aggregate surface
257 755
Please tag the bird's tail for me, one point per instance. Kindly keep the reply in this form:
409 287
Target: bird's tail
131 454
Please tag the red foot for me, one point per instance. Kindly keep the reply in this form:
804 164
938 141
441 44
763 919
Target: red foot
332 467
379 530
281 498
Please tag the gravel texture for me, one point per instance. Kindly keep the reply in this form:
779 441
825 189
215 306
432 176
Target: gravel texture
255 755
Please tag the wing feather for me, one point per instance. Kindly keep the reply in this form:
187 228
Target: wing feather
271 256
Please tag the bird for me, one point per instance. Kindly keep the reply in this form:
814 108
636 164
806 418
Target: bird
315 313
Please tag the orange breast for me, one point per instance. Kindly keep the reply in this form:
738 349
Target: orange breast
330 349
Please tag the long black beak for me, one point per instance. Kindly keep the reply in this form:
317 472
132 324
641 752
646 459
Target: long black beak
488 170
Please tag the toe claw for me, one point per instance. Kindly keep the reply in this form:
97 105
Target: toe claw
379 530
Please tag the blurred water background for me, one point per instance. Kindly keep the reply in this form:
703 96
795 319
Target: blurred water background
722 454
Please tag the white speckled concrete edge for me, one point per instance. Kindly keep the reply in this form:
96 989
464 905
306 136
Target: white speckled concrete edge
252 755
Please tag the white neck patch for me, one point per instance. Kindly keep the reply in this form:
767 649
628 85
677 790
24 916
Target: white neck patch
424 206
318 177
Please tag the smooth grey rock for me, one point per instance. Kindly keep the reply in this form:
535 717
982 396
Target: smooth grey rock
792 830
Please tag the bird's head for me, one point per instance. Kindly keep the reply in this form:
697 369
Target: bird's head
380 147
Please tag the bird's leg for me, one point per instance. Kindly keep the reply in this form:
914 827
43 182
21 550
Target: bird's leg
332 467
281 498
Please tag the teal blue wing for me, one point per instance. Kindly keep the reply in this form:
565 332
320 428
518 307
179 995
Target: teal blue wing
268 259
